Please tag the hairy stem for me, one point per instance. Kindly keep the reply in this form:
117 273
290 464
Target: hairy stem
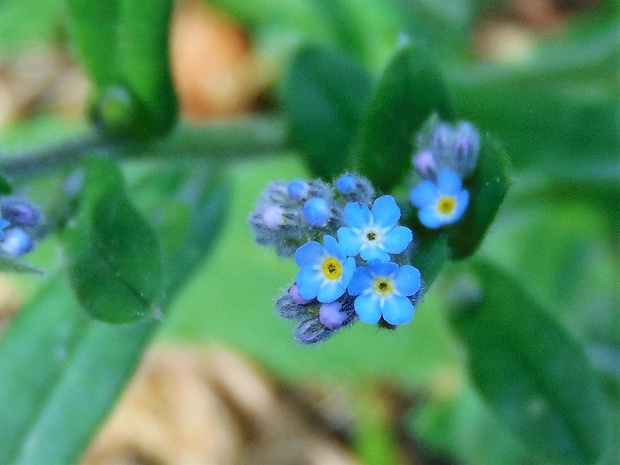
223 140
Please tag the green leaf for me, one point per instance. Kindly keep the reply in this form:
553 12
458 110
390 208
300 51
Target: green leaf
113 251
191 218
123 44
324 91
529 371
5 186
409 91
61 371
61 374
487 189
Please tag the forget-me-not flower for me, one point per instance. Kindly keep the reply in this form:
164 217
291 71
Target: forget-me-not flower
383 289
440 203
374 234
325 270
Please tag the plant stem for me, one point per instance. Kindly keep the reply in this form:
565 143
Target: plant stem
221 140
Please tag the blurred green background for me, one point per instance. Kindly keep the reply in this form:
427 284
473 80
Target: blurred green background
542 76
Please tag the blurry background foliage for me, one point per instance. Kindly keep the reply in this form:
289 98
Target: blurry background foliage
514 356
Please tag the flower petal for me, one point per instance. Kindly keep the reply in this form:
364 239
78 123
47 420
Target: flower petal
367 308
397 239
330 291
385 212
386 269
350 242
429 218
449 182
424 194
333 248
356 216
375 253
308 254
308 282
348 268
397 310
407 280
461 205
360 281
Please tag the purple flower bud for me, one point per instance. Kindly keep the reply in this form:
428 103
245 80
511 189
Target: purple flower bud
316 212
425 163
346 184
330 315
295 297
466 147
16 242
311 331
273 217
298 189
20 213
277 191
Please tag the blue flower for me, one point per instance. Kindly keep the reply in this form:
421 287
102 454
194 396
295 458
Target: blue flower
325 270
374 235
3 224
383 289
316 212
440 203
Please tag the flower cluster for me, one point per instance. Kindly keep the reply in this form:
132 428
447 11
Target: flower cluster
446 155
351 252
354 258
20 222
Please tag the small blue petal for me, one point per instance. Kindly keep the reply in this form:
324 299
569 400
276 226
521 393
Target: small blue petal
375 253
407 280
356 216
360 281
308 283
348 269
397 310
333 248
385 212
428 217
449 183
367 308
397 239
330 291
349 241
308 254
386 269
461 205
424 194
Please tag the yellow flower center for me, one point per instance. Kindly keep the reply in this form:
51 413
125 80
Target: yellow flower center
446 205
332 269
383 286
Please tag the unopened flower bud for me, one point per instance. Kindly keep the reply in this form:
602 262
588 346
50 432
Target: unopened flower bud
298 189
273 217
316 212
16 242
330 315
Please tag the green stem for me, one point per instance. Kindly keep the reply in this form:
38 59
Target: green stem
222 140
